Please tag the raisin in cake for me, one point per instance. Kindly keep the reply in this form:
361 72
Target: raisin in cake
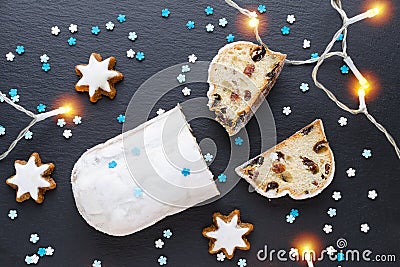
301 166
240 76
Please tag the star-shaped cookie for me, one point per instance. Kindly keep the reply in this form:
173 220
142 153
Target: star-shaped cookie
98 77
32 179
228 234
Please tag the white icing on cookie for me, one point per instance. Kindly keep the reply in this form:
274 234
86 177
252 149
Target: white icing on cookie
228 236
29 178
96 75
105 197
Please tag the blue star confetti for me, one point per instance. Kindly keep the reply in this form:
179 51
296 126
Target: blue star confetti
46 67
230 38
344 69
20 49
112 164
222 178
72 41
165 13
95 30
190 24
209 10
262 9
140 56
121 118
121 18
185 172
285 30
238 141
41 108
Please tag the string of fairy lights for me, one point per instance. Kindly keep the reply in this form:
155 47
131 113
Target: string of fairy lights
35 119
328 53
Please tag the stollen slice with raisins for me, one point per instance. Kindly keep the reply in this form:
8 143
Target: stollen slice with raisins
240 76
301 166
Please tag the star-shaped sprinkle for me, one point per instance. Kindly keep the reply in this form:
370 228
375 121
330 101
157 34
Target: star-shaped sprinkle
140 56
294 212
367 153
55 30
32 179
28 135
274 156
222 22
165 13
112 164
304 87
306 44
10 56
242 263
46 67
20 49
61 122
67 134
230 38
351 172
372 194
221 256
130 53
98 77
290 218
291 19
162 260
110 26
34 238
314 55
238 141
327 229
138 192
344 69
222 178
121 118
95 30
209 27
186 91
285 30
364 228
41 108
15 99
167 233
331 212
132 36
96 263
340 37
185 172
160 111
44 58
2 130
287 110
336 195
77 120
181 78
41 252
342 121
73 28
232 227
49 251
209 10
121 18
13 92
208 157
190 24
71 41
192 58
12 214
262 8
34 259
185 68
159 243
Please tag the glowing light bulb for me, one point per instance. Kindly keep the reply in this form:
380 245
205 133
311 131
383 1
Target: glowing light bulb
253 22
373 12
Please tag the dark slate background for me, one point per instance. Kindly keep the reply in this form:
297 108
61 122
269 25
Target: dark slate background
167 42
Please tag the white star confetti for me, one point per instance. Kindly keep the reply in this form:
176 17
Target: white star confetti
336 196
185 68
159 243
328 229
12 214
10 56
73 28
67 134
351 172
208 157
181 78
110 26
306 44
34 238
160 111
130 53
286 110
274 156
55 30
192 58
49 251
44 58
372 194
186 91
342 121
132 36
77 120
61 122
209 27
222 22
364 227
220 256
291 19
